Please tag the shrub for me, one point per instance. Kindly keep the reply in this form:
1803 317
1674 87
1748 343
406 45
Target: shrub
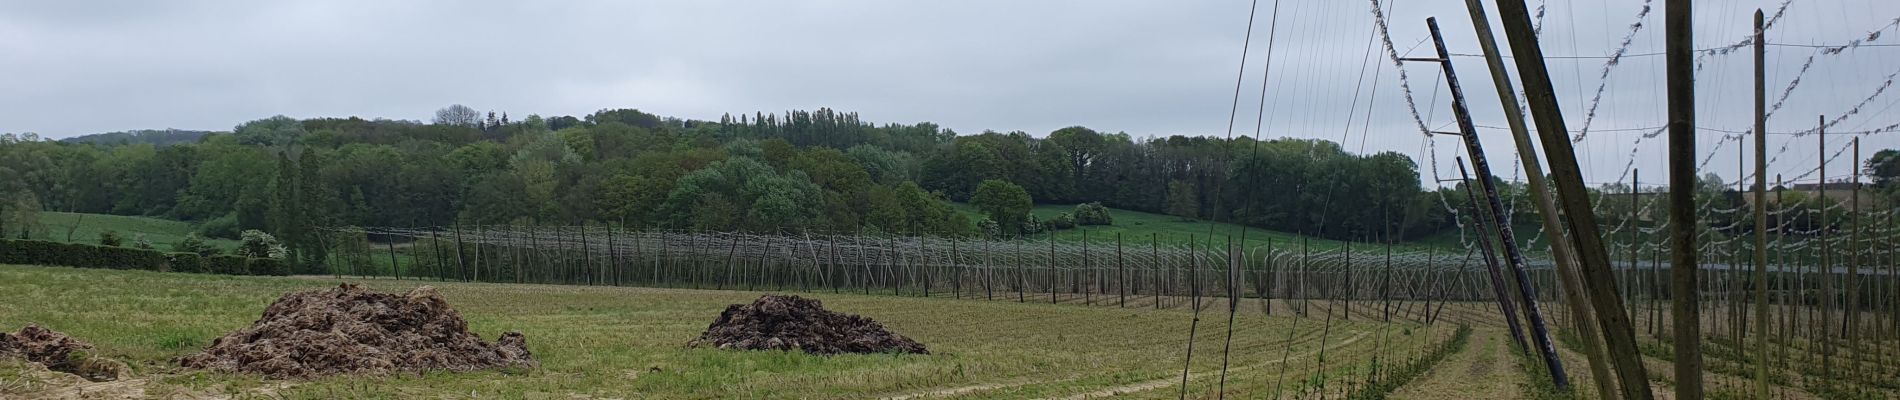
185 262
227 265
1062 221
110 238
257 244
140 242
1092 213
40 252
225 227
195 245
1032 225
989 227
268 267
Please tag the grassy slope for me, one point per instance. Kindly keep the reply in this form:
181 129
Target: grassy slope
621 342
1137 228
163 233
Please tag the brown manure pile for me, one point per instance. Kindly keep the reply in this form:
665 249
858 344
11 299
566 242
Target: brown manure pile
794 323
57 352
350 330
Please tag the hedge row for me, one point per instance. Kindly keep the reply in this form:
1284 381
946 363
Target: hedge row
40 252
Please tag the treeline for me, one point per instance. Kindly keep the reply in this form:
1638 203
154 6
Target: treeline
798 171
155 137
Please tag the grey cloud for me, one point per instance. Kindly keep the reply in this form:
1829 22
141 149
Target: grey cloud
1142 67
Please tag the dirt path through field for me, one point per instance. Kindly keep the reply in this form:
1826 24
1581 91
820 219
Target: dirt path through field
1171 381
1483 370
1117 390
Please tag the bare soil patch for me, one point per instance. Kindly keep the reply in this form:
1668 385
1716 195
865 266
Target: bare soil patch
58 352
350 330
775 322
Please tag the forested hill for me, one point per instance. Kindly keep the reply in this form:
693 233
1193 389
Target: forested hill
155 137
797 171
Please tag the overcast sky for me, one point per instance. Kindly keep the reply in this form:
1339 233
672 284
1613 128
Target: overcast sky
1148 68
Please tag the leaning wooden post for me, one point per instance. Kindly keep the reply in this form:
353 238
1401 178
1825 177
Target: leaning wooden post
1505 305
335 250
732 250
1233 307
764 251
389 242
1494 208
461 257
1598 279
587 256
891 273
435 246
1563 254
831 242
864 262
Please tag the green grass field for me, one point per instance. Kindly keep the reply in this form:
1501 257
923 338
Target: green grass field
629 343
1139 228
85 228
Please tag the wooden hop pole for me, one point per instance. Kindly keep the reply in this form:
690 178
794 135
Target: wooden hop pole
1678 33
1562 252
1761 216
1494 208
1598 279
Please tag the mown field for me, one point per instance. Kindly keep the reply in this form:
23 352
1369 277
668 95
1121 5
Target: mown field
629 343
85 228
